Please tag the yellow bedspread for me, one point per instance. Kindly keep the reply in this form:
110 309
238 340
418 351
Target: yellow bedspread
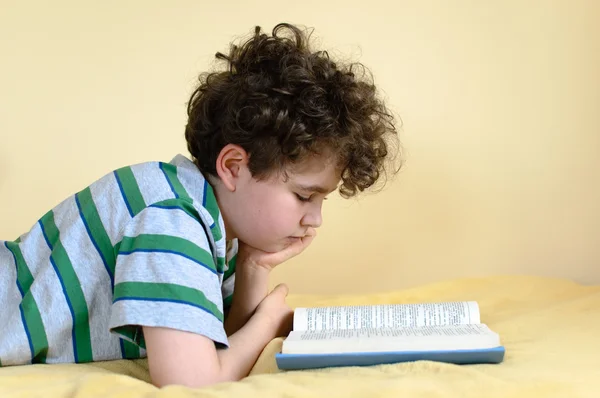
550 327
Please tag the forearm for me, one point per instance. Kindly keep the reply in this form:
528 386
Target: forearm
251 287
190 359
244 348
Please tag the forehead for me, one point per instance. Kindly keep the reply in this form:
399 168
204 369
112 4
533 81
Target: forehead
317 171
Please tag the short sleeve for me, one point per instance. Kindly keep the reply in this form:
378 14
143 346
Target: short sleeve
165 275
229 275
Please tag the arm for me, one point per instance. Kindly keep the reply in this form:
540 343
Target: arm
252 278
251 287
178 357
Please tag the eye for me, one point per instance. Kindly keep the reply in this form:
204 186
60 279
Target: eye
302 198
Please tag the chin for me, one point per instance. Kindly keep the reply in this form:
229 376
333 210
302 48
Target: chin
273 247
267 245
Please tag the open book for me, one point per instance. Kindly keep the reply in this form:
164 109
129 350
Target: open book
368 335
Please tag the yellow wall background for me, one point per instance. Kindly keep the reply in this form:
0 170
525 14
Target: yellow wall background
499 103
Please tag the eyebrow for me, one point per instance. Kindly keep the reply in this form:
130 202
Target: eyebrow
315 188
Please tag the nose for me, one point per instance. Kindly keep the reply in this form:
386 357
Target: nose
313 217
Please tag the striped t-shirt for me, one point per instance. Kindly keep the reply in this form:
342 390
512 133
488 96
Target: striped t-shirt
142 246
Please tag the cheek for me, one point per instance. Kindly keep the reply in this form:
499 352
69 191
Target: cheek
280 214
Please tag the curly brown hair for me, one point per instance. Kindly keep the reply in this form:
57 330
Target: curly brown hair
283 102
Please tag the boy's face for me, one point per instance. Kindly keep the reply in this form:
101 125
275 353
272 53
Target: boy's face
270 214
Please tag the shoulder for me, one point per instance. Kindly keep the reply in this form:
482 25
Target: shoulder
142 185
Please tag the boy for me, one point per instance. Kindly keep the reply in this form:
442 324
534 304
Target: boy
144 261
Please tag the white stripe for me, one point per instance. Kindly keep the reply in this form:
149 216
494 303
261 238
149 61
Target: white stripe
221 225
156 267
33 247
228 285
14 345
171 315
171 222
93 277
152 182
48 294
111 206
191 178
232 250
234 246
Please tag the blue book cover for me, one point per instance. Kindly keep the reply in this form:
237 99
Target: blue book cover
461 357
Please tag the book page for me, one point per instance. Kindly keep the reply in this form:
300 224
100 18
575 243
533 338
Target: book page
425 338
386 316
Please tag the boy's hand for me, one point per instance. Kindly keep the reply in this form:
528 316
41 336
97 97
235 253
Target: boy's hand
253 257
185 358
276 312
253 267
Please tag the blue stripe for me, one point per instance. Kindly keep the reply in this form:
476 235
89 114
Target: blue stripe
123 193
21 305
122 348
87 228
44 235
173 208
166 207
170 252
27 332
160 165
204 194
64 289
20 288
212 226
167 301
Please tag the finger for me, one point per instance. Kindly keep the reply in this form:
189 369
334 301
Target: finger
293 250
281 289
299 246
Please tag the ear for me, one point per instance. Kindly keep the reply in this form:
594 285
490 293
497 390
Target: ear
231 164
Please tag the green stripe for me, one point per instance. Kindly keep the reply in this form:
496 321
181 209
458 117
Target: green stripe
24 276
220 264
181 204
31 312
92 219
81 327
132 351
210 204
171 174
166 243
36 329
231 270
166 292
187 207
131 189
